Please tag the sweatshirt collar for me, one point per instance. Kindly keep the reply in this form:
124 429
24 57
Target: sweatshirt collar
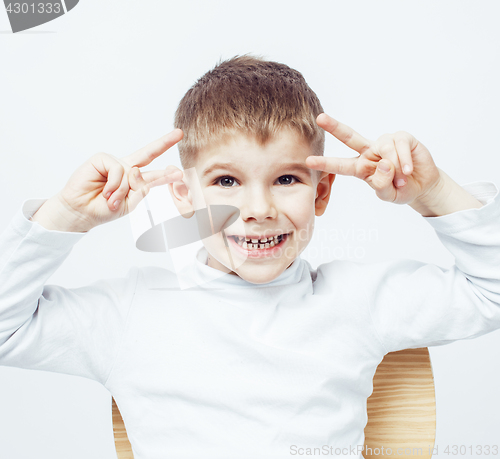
204 276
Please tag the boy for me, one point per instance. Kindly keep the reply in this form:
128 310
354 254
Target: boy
273 357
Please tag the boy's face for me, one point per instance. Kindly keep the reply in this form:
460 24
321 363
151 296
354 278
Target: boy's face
276 193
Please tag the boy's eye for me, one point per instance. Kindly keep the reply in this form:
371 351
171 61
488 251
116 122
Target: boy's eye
226 181
287 179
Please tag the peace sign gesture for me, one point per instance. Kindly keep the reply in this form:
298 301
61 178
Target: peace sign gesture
397 166
105 188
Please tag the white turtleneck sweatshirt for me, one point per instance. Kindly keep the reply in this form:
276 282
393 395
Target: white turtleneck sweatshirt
237 370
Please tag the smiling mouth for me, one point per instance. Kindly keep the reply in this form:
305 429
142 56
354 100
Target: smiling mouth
259 243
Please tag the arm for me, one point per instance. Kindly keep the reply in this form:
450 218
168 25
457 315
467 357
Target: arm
47 327
74 331
413 304
398 167
446 197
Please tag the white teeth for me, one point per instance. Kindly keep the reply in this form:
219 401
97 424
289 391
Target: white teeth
252 244
262 240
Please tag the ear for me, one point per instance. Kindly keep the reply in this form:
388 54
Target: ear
323 191
181 195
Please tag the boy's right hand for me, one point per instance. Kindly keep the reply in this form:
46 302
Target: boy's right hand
106 188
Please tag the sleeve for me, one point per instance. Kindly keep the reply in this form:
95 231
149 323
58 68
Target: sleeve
46 327
413 304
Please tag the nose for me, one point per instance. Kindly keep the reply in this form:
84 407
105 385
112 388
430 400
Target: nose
259 205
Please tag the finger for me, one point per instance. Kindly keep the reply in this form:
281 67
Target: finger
404 143
149 180
382 180
157 178
343 132
113 171
138 186
386 148
136 180
152 177
341 166
116 199
145 155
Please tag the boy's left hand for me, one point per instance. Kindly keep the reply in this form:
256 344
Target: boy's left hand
412 172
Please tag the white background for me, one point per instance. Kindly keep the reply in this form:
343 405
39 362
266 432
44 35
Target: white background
108 77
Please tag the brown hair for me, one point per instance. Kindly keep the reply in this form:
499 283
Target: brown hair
247 94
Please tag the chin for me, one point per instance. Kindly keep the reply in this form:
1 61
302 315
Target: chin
257 276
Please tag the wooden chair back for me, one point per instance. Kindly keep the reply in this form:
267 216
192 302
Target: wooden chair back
401 410
402 407
122 444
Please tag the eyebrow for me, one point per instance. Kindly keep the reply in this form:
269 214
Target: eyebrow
230 166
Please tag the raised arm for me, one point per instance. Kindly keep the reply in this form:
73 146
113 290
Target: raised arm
398 167
414 304
74 331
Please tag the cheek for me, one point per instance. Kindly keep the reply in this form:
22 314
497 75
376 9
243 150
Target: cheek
302 218
301 205
206 197
213 195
